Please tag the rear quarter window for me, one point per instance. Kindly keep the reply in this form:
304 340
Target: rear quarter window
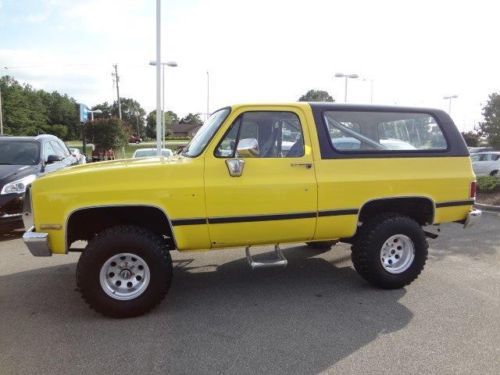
383 132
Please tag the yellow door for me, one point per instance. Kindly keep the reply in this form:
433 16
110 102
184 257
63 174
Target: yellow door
271 194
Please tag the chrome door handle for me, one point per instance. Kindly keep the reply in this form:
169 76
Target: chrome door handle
305 165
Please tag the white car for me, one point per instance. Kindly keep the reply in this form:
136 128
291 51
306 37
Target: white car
151 152
486 163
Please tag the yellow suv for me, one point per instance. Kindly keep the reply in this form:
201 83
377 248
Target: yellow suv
319 173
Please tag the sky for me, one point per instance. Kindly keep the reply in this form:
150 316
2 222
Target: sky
409 52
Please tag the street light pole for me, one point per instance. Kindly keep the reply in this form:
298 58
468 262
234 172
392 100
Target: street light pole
346 77
171 64
208 95
158 73
92 114
449 98
163 106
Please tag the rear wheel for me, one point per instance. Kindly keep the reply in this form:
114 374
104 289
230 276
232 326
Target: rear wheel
390 251
125 271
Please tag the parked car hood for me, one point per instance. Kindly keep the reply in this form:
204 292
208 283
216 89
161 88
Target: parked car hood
10 173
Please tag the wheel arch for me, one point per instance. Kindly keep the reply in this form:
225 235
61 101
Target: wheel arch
101 217
420 208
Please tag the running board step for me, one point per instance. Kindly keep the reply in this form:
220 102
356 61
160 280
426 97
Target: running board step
279 261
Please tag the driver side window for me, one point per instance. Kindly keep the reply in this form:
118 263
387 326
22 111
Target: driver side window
48 150
263 134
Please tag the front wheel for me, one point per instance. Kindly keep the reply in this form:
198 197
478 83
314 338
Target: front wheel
125 271
390 251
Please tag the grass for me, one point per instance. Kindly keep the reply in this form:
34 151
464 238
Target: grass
131 147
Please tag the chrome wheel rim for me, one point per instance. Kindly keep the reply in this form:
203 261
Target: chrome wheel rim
397 253
124 276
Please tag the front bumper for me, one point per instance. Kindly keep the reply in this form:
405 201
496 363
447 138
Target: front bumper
37 243
11 209
11 219
473 218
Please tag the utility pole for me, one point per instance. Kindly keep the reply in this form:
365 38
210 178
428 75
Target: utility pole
117 80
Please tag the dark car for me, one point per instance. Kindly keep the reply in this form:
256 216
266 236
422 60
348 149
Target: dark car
22 159
134 139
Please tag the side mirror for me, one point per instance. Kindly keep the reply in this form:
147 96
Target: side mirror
248 148
53 159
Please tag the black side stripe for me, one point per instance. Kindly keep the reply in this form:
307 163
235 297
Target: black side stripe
248 219
243 219
188 222
455 203
351 211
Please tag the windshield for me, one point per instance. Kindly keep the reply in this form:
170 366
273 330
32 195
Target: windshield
205 134
19 152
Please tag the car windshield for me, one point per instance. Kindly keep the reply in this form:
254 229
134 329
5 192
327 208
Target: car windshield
205 134
19 152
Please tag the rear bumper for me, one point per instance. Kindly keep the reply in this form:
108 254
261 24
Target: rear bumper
473 218
37 243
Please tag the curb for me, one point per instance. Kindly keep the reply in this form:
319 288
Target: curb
487 207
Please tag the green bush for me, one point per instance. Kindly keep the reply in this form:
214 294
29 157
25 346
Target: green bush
488 184
106 134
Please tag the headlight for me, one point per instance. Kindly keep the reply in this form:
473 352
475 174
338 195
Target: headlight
18 186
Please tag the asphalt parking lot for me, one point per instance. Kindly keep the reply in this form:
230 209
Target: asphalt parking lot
220 317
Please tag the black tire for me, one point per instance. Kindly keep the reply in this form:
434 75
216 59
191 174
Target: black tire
372 235
493 173
321 245
150 247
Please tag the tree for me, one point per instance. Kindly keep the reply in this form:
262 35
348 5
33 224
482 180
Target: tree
106 134
133 115
192 118
316 96
490 128
31 112
171 118
471 138
105 108
131 109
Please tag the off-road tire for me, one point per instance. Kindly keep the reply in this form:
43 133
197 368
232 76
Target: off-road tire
368 244
321 245
151 247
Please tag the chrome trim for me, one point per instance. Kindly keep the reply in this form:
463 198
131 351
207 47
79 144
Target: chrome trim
235 167
9 216
473 218
66 245
28 219
37 243
279 261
